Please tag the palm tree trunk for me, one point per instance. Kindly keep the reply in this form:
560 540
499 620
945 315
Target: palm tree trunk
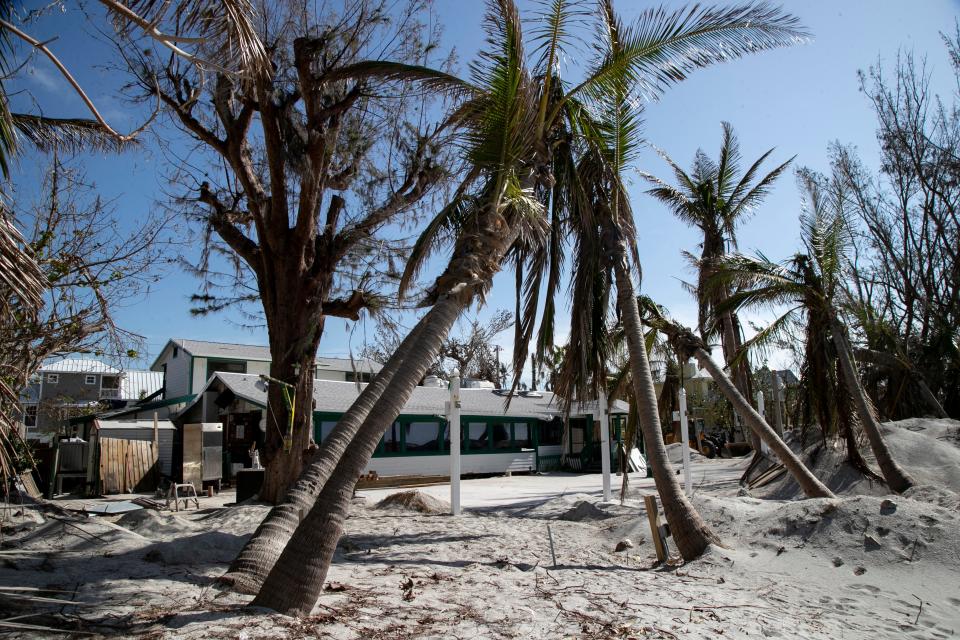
730 342
253 564
691 534
808 482
296 581
897 479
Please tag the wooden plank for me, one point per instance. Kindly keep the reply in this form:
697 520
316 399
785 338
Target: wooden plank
653 515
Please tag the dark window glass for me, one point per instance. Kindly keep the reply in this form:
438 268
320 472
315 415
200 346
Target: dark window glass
226 366
477 435
391 439
551 433
423 436
501 436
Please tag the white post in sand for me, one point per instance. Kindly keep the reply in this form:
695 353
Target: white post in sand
685 434
761 410
453 424
605 446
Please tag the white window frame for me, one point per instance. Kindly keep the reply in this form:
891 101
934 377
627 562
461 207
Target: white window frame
52 378
89 379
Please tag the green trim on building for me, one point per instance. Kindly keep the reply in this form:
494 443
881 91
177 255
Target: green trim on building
441 442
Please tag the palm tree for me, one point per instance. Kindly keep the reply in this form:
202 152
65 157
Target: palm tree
688 345
811 286
715 198
515 121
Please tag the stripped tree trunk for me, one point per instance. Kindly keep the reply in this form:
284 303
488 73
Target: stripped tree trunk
808 482
296 581
691 534
250 568
897 479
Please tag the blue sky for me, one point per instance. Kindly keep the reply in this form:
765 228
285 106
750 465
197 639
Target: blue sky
798 100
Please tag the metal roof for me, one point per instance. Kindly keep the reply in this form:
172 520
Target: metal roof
164 425
137 384
336 397
207 349
78 365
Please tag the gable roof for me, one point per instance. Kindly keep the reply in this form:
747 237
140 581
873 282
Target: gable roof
258 353
78 365
336 397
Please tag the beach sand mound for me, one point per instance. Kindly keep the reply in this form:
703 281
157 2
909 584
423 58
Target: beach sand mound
928 449
675 453
414 501
156 525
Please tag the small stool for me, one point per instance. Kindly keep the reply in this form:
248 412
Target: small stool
189 493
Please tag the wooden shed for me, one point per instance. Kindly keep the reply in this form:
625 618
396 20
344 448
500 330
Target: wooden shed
142 430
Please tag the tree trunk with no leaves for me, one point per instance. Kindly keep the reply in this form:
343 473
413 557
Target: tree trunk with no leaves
809 483
256 559
296 581
898 479
691 534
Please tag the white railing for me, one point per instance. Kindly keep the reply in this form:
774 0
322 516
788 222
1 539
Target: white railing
109 394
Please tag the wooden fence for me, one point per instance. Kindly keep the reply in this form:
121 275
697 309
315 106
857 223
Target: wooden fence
127 466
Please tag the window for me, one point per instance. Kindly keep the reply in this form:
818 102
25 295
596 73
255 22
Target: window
391 439
501 436
53 378
358 376
30 415
225 366
326 426
176 351
477 435
521 435
551 433
422 436
90 380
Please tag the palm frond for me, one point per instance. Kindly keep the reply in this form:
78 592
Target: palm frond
430 79
662 48
453 218
225 27
70 135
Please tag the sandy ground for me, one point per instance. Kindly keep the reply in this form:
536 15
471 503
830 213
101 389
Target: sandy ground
860 566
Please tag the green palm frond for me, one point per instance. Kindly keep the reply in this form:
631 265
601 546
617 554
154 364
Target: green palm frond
661 48
71 135
553 37
743 203
782 330
453 218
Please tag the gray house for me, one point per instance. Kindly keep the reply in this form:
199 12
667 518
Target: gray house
186 365
73 386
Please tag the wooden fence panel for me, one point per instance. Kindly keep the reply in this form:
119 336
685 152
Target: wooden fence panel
127 466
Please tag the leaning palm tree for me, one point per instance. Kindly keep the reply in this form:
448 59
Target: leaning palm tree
515 121
716 198
811 286
689 345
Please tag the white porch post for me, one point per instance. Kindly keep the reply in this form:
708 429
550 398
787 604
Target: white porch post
685 447
453 424
605 445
